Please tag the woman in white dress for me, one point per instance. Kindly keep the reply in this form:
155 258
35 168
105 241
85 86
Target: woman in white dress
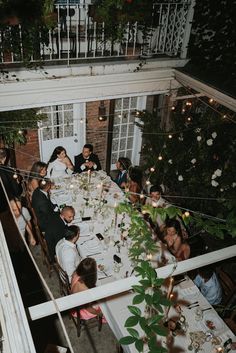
59 164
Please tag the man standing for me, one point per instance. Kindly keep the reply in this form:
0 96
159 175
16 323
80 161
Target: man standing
87 160
42 205
56 228
66 250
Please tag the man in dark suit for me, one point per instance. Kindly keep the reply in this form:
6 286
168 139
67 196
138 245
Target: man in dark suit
11 184
87 160
123 164
42 205
57 227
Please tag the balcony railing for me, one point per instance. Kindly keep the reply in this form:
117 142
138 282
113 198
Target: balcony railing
77 36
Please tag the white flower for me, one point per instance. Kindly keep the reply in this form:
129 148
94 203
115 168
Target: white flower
214 134
199 138
180 178
214 183
218 172
181 138
213 176
198 129
209 142
170 161
233 185
193 161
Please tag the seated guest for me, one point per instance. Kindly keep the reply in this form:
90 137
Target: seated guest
155 197
85 277
87 160
123 164
59 164
174 240
134 185
66 250
23 220
38 171
209 285
56 228
12 185
42 205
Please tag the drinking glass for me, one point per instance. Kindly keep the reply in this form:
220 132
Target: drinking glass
198 314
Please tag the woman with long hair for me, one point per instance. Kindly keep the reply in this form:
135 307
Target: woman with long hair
85 277
173 237
37 172
59 164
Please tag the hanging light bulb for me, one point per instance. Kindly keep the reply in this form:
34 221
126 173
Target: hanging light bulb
71 186
160 158
186 214
183 110
189 118
211 100
20 132
154 204
170 136
43 182
149 256
188 103
224 116
15 175
119 115
137 113
102 112
152 169
148 182
81 121
173 108
142 195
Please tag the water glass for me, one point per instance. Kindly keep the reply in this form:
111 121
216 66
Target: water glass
198 314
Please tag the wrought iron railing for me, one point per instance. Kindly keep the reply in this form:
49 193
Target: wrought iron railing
77 36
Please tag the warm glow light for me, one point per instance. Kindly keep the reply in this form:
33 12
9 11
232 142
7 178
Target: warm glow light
148 182
224 116
173 108
43 182
20 132
149 256
81 121
189 118
188 103
183 110
71 186
119 115
152 169
142 196
160 158
154 204
187 214
170 136
211 100
14 176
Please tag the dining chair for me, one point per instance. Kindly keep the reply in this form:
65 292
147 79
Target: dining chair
228 285
65 289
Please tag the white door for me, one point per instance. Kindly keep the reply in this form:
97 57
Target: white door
64 126
126 137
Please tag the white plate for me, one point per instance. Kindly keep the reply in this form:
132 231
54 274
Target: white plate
216 320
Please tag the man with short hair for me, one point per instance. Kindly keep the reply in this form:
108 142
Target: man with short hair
66 250
155 198
56 228
42 205
87 160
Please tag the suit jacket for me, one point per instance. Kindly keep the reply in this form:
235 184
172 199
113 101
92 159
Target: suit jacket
79 160
13 189
121 178
54 232
43 207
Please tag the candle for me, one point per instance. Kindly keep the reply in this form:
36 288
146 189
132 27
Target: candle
115 214
89 176
170 287
100 197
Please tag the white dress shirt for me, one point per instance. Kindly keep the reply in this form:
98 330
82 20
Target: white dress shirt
211 289
67 256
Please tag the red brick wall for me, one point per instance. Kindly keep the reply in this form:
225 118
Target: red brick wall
27 154
96 131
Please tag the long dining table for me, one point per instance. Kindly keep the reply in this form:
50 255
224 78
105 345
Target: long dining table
94 197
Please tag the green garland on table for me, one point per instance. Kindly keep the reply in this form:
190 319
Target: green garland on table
149 289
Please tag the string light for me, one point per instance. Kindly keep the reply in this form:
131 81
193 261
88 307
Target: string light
211 100
189 118
20 132
183 110
149 256
43 182
142 196
15 175
152 169
148 182
160 158
71 186
170 136
173 108
81 121
154 204
188 103
186 214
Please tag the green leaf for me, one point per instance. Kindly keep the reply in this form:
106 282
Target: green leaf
159 330
142 322
152 343
139 345
133 332
138 289
164 301
139 298
148 299
145 282
127 340
131 321
134 310
155 319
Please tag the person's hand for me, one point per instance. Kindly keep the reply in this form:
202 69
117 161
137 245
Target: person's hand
91 164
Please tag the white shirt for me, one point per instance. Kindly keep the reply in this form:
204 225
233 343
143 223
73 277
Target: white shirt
67 256
58 169
160 203
23 219
211 289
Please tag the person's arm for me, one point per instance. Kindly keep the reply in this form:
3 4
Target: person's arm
28 228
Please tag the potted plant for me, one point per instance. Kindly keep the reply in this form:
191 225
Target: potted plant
123 18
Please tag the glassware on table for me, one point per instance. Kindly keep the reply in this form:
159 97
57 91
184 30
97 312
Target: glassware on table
106 242
198 314
91 228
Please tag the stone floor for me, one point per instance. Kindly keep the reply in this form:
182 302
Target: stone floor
48 330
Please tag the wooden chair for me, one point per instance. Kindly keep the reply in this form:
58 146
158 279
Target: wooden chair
228 286
65 289
43 244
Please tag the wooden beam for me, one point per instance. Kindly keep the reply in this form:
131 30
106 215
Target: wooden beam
206 89
123 285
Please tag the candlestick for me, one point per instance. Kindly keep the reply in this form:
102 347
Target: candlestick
100 197
115 214
89 176
170 288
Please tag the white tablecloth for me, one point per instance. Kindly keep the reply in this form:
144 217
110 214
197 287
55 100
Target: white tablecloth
116 313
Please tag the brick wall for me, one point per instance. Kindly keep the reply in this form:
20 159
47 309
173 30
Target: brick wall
96 131
27 154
